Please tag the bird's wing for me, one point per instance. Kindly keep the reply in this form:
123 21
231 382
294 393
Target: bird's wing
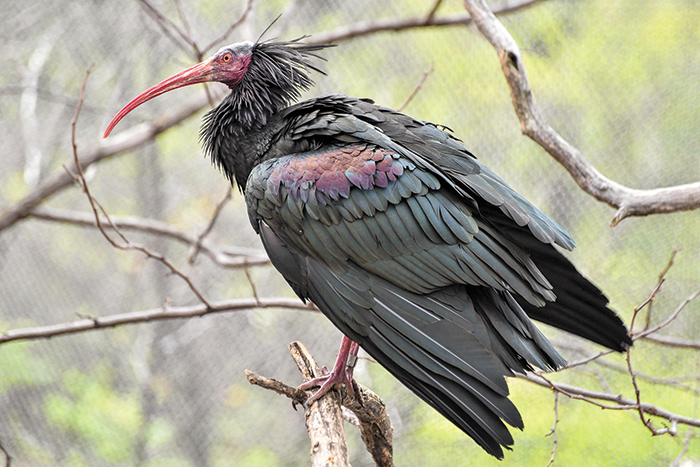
580 308
429 146
402 266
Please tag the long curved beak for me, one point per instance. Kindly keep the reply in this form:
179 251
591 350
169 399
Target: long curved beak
199 73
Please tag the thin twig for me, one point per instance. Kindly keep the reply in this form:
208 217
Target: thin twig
198 244
638 395
431 14
8 457
553 431
673 382
172 30
231 28
662 275
252 284
622 403
669 341
668 320
417 89
94 204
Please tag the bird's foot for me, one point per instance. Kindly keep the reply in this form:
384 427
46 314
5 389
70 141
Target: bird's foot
325 383
340 376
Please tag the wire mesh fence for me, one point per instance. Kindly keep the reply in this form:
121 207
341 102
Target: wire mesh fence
618 80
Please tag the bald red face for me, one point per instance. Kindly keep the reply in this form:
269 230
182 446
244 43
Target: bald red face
227 66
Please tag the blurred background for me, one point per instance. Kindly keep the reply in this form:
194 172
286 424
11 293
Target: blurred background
619 80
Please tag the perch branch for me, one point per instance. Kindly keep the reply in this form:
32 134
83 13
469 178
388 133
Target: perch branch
324 419
368 411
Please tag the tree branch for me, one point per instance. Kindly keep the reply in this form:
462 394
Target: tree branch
672 341
384 25
116 144
368 409
223 256
144 316
324 419
629 201
623 403
124 244
196 246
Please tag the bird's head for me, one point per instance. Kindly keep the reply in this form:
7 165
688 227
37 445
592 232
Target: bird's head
265 75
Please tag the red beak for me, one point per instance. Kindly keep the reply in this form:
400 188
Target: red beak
199 73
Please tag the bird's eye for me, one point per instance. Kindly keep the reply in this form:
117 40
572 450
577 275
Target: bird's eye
226 58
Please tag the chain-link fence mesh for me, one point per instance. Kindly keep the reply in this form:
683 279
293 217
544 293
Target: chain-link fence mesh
619 80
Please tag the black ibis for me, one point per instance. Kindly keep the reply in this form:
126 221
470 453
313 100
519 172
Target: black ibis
415 250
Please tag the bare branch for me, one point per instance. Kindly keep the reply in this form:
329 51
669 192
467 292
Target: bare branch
638 395
144 316
629 201
234 25
417 89
553 431
372 27
662 275
197 244
433 10
172 30
672 341
622 403
231 257
674 382
324 419
94 204
368 411
298 396
116 144
8 457
668 320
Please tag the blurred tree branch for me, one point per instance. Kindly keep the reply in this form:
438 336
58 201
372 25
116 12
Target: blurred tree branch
222 255
400 24
628 201
103 149
156 314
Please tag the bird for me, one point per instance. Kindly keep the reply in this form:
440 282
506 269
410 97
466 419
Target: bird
413 248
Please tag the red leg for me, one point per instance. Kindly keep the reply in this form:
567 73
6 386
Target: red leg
340 374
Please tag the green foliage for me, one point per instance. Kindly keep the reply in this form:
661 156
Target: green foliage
89 407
